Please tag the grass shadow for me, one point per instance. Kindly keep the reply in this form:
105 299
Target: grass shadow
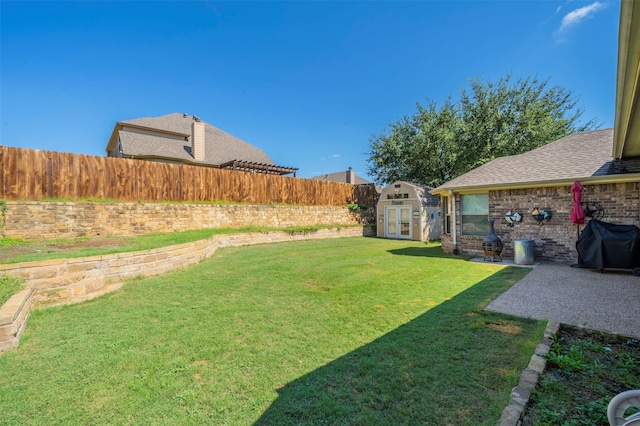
426 252
455 364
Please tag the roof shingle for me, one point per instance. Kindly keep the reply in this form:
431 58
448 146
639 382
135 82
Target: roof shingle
574 157
341 177
220 147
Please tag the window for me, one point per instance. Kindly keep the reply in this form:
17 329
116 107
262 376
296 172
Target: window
475 214
447 214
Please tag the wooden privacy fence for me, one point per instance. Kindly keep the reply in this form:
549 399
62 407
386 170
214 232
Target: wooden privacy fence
27 174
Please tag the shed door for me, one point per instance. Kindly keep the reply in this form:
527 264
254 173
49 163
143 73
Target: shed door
397 222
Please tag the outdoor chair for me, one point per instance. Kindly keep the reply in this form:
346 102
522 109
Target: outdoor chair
620 404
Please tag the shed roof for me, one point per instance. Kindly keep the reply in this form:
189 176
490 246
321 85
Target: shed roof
423 193
580 156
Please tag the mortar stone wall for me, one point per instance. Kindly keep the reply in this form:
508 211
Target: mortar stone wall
554 240
38 220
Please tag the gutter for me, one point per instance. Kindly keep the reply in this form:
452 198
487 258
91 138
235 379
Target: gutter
169 160
627 82
454 230
594 180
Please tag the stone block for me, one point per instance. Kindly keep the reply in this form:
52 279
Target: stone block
79 290
510 416
40 272
537 363
7 331
528 379
553 326
520 396
542 349
81 266
63 294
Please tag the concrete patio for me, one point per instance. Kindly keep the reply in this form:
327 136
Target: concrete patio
608 301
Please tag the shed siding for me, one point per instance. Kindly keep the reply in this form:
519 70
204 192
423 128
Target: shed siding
423 206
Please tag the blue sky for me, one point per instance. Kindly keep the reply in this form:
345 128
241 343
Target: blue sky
308 82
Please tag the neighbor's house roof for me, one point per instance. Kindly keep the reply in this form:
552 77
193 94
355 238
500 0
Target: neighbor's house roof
341 177
168 138
626 143
585 157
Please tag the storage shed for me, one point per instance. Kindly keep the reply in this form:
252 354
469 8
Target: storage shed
408 211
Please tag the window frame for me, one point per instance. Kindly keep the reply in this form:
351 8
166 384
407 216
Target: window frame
476 210
447 214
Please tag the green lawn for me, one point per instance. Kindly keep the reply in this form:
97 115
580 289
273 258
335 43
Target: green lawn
348 331
8 287
84 246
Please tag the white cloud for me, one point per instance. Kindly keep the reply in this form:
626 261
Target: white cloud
335 155
576 16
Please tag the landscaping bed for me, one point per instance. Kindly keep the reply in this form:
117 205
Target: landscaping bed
585 370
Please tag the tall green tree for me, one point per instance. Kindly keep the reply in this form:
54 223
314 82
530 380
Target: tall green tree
489 120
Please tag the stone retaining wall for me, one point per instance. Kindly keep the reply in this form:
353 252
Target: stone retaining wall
38 220
60 281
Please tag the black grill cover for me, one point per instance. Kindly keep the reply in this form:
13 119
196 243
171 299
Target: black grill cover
606 245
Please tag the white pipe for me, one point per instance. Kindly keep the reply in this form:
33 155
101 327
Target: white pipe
453 219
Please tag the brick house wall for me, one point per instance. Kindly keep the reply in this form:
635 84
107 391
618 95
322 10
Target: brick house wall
555 239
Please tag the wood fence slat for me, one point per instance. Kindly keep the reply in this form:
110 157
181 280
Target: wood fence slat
3 167
33 174
12 185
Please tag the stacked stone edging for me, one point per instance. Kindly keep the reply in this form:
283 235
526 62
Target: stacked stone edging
512 413
60 281
13 317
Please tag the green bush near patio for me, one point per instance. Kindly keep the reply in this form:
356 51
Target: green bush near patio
342 331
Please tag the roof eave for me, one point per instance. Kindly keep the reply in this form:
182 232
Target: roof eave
120 125
627 115
112 139
170 160
591 180
123 124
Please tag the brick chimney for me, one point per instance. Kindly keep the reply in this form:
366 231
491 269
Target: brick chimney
197 139
351 176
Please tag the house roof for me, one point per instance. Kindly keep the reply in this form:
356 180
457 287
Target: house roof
169 137
341 177
582 156
626 142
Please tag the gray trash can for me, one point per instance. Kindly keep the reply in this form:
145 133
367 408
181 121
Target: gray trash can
523 252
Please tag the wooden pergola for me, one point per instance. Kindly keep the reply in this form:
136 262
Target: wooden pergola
248 166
